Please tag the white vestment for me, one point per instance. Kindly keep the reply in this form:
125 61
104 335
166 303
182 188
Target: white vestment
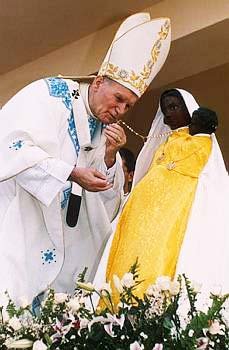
100 276
38 153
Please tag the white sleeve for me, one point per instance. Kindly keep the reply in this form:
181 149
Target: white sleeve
112 198
109 172
45 179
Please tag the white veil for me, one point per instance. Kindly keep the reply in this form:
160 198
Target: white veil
158 127
204 255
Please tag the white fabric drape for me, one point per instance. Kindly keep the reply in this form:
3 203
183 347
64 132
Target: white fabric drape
37 247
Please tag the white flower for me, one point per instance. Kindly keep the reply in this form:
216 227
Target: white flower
109 329
86 286
158 347
39 345
128 280
18 344
15 323
196 286
83 323
105 289
174 287
5 315
153 291
216 289
136 346
23 302
163 283
216 328
143 335
225 312
97 319
112 319
74 304
212 344
118 284
60 298
190 333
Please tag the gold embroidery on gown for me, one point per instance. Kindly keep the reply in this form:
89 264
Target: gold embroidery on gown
154 219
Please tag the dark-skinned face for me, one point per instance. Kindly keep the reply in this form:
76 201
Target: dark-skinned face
195 127
175 112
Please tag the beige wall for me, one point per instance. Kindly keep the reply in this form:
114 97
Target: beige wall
84 56
188 16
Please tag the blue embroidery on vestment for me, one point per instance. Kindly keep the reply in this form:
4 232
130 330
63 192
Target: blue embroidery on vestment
16 145
48 256
59 88
72 132
66 194
93 124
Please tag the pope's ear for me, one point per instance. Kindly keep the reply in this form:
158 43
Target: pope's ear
97 82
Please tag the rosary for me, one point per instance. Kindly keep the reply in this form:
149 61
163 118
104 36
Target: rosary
144 138
171 165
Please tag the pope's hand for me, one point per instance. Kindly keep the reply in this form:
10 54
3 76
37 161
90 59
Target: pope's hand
90 179
116 138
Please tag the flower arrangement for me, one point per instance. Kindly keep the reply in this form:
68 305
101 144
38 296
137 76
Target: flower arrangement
166 318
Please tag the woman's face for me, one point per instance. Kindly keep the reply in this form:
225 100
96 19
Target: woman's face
175 112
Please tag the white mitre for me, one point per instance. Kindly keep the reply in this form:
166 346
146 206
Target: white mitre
137 52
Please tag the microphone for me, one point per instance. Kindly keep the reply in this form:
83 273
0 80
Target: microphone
73 210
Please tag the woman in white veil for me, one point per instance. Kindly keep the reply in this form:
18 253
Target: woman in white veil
204 254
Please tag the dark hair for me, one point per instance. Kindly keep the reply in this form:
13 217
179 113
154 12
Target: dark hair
207 119
129 158
174 93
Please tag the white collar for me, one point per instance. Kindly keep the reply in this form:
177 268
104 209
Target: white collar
202 134
84 90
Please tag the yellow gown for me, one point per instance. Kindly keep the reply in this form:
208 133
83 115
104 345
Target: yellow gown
152 225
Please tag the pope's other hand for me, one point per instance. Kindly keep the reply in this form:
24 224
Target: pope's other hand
90 179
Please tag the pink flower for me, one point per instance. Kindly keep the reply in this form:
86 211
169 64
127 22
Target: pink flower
202 343
216 328
135 346
158 347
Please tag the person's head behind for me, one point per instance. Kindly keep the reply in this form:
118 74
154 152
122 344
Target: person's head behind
176 114
204 121
109 100
128 165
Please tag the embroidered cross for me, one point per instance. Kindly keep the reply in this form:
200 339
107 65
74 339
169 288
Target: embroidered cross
48 256
75 94
17 145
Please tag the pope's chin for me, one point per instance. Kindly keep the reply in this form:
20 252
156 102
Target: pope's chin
107 118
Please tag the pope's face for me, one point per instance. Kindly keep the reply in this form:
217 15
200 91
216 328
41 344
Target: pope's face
109 100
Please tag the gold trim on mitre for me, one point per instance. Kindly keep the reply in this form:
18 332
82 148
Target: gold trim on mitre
137 81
